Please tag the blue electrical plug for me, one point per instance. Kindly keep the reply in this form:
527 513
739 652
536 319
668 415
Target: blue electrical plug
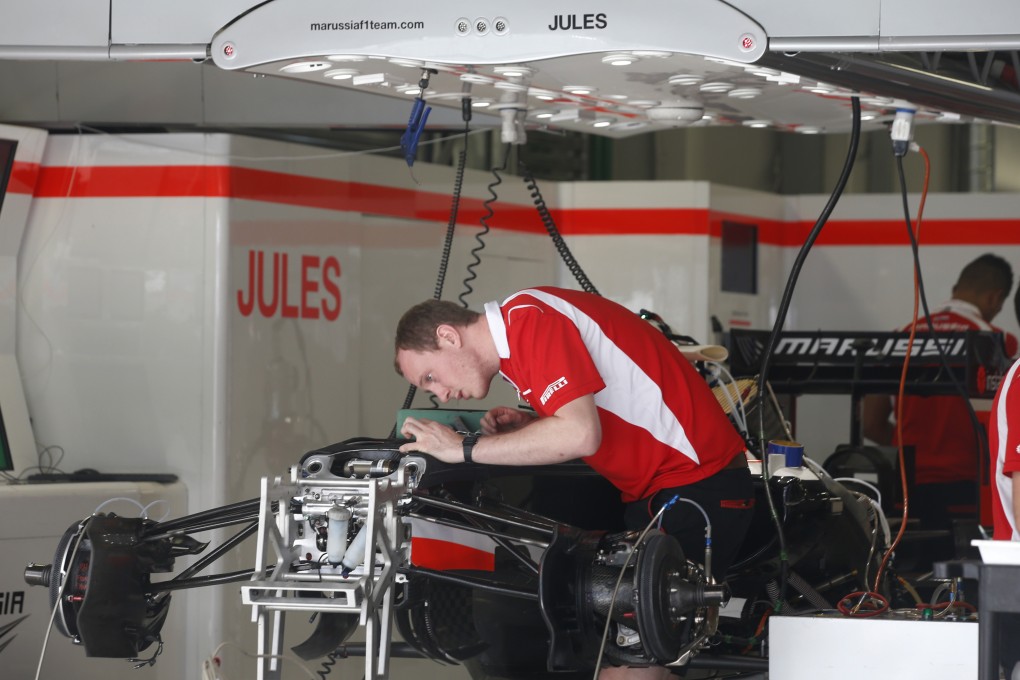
415 125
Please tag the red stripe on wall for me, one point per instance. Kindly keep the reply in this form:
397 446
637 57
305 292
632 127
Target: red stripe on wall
23 178
436 554
133 181
942 232
315 192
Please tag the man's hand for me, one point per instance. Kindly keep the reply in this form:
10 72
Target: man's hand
432 438
504 419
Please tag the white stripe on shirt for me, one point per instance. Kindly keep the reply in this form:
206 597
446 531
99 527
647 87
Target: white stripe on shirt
624 380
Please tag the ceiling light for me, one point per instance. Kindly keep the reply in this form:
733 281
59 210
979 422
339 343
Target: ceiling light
820 88
808 130
578 89
745 93
762 71
480 103
371 79
306 66
716 87
619 59
602 123
512 71
685 79
757 123
340 74
784 78
544 114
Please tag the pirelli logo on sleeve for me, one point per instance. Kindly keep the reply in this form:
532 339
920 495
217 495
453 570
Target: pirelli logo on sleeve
553 386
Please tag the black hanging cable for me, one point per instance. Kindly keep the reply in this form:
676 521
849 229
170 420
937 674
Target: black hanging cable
979 431
554 232
451 225
484 220
784 305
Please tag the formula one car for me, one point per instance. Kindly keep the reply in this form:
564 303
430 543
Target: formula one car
532 575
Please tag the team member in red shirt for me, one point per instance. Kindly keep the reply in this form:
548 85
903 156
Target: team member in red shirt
940 428
1004 445
605 386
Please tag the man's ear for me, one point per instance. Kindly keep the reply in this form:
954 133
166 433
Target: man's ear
448 335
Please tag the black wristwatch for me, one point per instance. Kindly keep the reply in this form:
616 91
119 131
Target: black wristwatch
469 443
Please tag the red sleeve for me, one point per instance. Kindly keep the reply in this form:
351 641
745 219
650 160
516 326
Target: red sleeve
1008 425
554 362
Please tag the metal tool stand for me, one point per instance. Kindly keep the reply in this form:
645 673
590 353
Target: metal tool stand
277 587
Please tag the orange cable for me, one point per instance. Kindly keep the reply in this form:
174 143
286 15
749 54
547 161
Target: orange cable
903 378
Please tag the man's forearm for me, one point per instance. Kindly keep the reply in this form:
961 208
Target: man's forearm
541 442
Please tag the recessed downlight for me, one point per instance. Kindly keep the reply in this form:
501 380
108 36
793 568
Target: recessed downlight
513 71
371 79
820 88
340 74
685 79
716 87
745 93
544 95
578 89
619 59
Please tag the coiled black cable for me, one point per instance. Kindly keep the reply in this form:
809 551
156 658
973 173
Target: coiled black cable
327 665
554 232
484 221
458 184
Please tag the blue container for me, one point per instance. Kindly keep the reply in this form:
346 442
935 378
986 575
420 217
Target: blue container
793 451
